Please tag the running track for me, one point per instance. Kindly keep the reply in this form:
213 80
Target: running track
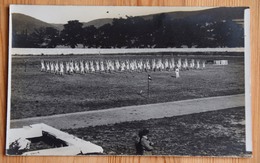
134 113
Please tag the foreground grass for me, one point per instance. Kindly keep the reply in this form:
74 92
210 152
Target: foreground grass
212 133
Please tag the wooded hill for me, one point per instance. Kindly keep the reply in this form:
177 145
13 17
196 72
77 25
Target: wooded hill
217 27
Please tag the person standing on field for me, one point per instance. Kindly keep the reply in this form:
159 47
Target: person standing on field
43 66
177 72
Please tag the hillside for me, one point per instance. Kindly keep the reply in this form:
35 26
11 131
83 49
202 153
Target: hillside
25 23
98 22
222 13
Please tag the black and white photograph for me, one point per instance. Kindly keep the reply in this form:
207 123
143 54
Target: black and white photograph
125 80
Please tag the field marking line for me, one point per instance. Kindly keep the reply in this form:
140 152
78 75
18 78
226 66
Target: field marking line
124 108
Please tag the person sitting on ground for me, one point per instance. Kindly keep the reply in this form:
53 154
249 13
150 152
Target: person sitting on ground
144 145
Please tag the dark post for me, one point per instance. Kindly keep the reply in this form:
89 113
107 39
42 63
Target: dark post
148 89
25 64
148 86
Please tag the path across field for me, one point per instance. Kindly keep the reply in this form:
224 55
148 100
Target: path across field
134 113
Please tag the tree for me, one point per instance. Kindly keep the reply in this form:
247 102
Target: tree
228 34
72 34
52 37
22 40
103 38
45 37
89 36
38 37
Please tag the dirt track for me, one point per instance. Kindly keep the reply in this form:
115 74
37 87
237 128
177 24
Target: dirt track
133 113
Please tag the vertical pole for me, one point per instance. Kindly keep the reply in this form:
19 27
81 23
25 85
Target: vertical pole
148 87
25 66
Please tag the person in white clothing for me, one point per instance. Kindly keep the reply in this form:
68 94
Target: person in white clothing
177 72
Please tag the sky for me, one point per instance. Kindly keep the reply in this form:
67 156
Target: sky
62 14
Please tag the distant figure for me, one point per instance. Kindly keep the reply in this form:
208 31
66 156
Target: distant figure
203 64
61 68
177 72
48 69
42 66
143 145
52 67
67 67
102 66
56 67
198 64
71 67
76 64
81 65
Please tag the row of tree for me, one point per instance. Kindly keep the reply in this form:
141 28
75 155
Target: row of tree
136 32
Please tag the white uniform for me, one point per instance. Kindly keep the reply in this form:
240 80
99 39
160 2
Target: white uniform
179 63
61 68
92 69
203 64
198 64
112 66
86 66
71 67
159 64
193 63
153 64
82 70
102 66
67 67
135 65
186 63
48 66
42 66
166 64
97 66
77 67
52 67
148 67
117 65
173 63
177 72
56 68
127 65
122 66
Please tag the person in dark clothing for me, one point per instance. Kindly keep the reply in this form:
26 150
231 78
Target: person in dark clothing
143 145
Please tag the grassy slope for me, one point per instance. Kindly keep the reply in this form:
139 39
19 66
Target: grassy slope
211 133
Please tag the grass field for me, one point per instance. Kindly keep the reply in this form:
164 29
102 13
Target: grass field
215 133
36 93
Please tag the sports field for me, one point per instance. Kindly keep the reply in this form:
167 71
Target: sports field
36 93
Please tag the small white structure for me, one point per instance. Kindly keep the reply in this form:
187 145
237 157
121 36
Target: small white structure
221 62
70 145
